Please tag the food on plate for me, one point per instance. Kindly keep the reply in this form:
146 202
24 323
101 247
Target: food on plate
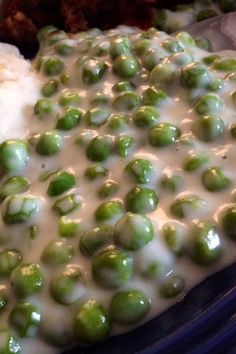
117 182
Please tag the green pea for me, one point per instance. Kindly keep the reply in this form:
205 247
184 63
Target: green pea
210 103
68 228
214 179
227 5
133 231
68 286
100 99
208 128
8 343
233 130
159 20
163 134
124 144
141 200
94 239
25 319
206 245
225 64
18 209
125 66
154 97
55 36
195 75
49 143
203 43
118 122
9 260
123 86
61 182
96 116
228 220
182 58
66 79
120 46
107 189
93 71
173 45
233 97
186 206
91 323
95 170
27 279
14 155
141 46
3 296
50 88
171 286
205 14
65 47
162 74
146 116
210 59
69 99
171 182
112 268
174 235
67 204
14 185
216 84
140 170
99 148
186 39
70 119
195 161
43 107
45 31
53 66
57 252
101 49
85 136
109 211
126 101
129 306
153 57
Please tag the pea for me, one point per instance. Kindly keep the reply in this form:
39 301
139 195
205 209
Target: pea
8 343
208 128
50 88
54 37
205 14
195 75
61 182
118 122
162 74
227 5
171 286
45 31
53 66
233 130
163 134
94 239
159 20
101 49
43 107
174 236
126 101
65 47
195 161
100 99
233 97
140 170
214 179
14 185
203 43
96 116
146 116
210 103
99 148
173 45
153 57
93 71
107 189
186 206
133 231
9 260
49 143
225 64
91 323
66 79
186 39
228 220
57 252
216 84
206 248
95 170
154 97
171 183
69 99
68 228
182 58
27 279
18 209
210 59
141 46
3 297
120 46
70 119
109 211
125 66
14 155
123 86
25 319
112 268
68 286
85 136
129 306
141 200
67 204
124 144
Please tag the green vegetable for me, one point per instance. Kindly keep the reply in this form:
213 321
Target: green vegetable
68 227
9 260
210 103
154 97
124 145
93 71
171 286
53 66
205 14
174 235
27 279
94 239
8 343
96 116
61 182
140 170
43 107
70 119
95 170
49 143
195 75
14 185
109 211
173 45
25 319
126 101
186 206
57 252
123 86
18 209
69 99
4 295
99 148
171 182
146 116
227 5
65 47
14 155
107 189
214 179
195 161
228 220
208 128
120 46
163 134
225 64
152 57
66 205
162 74
118 122
125 66
141 200
50 88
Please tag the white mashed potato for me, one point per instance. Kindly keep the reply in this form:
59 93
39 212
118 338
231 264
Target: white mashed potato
19 89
